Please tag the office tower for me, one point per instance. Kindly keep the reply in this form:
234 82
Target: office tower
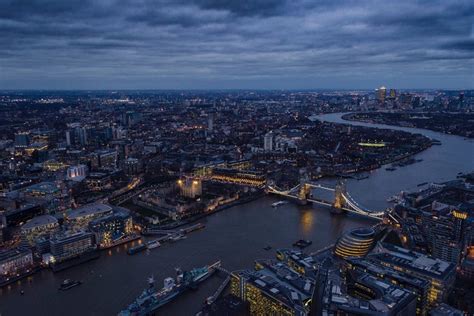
268 142
77 173
393 93
210 122
380 94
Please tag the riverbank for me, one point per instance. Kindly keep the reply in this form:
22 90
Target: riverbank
218 209
459 124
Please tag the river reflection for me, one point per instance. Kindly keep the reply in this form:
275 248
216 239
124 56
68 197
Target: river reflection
307 222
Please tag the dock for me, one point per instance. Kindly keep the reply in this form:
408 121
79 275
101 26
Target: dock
218 292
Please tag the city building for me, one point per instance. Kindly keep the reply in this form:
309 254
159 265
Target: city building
112 229
235 176
210 122
104 159
132 166
68 245
446 310
42 189
76 173
418 286
355 243
39 226
375 295
22 140
393 93
380 94
14 261
80 218
77 135
268 141
441 274
190 187
300 262
98 181
273 289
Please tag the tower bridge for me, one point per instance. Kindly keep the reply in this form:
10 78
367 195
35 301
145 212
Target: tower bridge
343 201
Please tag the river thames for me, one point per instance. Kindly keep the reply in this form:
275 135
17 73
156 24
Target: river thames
235 236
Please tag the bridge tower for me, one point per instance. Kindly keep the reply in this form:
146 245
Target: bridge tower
340 190
305 189
303 193
269 183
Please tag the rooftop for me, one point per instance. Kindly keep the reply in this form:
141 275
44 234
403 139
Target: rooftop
420 262
43 187
11 253
38 221
88 210
278 280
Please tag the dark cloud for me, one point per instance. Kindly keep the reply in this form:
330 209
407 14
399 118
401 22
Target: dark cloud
462 45
250 8
214 44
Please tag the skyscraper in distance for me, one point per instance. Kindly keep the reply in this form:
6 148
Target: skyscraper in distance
380 94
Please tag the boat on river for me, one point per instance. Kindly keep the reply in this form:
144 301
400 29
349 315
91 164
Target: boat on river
279 203
151 298
69 284
153 244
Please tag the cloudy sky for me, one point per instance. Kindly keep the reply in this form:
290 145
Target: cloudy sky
178 44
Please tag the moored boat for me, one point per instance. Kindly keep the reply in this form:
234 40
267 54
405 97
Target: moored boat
151 298
153 244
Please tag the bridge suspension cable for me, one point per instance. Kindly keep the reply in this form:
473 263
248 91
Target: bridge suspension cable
352 205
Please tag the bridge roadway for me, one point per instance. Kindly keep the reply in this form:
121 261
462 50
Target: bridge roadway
350 205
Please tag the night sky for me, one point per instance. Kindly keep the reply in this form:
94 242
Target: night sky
215 44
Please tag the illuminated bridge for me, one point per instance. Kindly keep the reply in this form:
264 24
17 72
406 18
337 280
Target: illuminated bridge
342 199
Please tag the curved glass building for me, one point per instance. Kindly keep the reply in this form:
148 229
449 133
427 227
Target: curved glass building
355 243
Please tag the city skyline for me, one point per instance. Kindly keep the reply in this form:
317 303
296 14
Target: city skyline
236 45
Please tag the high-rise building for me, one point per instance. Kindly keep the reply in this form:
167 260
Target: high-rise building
132 166
445 233
104 159
130 118
268 141
81 135
69 138
76 173
380 94
393 93
210 122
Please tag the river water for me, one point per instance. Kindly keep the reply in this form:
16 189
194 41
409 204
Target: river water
235 236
